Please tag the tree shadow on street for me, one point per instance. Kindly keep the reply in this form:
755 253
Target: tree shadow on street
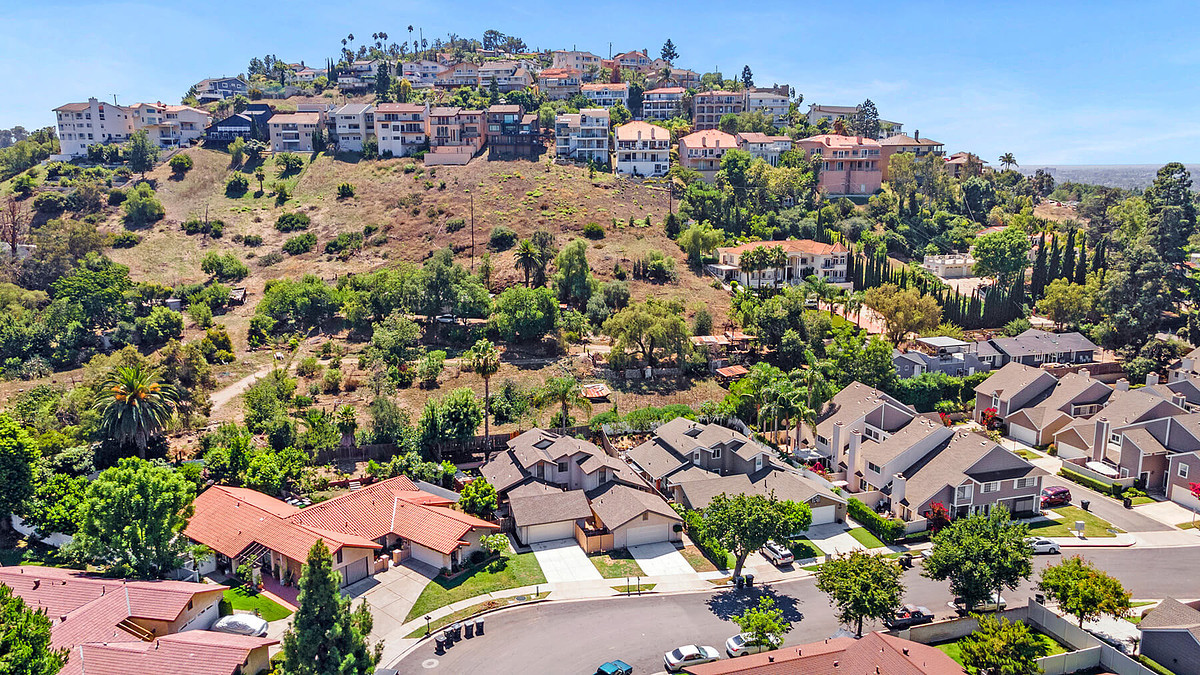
730 602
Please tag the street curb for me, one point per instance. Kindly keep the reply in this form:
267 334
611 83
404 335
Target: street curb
422 640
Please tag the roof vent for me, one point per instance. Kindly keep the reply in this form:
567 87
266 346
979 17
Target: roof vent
906 651
36 583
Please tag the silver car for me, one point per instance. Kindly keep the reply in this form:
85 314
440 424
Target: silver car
741 645
1042 545
241 624
689 655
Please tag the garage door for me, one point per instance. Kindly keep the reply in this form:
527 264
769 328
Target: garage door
824 514
1182 496
647 534
550 532
1023 434
355 571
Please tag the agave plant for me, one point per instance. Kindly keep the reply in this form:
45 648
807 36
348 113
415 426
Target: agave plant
135 405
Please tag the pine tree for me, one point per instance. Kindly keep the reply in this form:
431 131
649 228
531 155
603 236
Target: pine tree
1068 261
325 637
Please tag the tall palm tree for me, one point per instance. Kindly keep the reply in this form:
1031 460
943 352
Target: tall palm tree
823 290
853 303
485 360
562 391
529 258
777 258
134 405
1008 161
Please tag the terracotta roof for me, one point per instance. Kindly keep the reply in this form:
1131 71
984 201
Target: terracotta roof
905 139
789 245
605 86
558 72
709 138
552 507
666 90
839 141
873 653
732 371
196 652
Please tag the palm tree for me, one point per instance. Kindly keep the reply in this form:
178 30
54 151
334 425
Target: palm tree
529 258
485 360
563 391
777 258
1008 161
134 405
853 303
823 290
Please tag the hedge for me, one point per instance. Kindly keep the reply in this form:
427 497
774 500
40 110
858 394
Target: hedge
712 549
1086 481
887 529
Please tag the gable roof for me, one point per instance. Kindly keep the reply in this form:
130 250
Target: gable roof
1034 341
786 485
195 652
852 402
709 138
618 504
1012 378
1170 614
950 463
873 653
917 430
552 507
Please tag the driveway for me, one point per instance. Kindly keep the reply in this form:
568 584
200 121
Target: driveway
564 560
660 559
392 593
1108 508
833 539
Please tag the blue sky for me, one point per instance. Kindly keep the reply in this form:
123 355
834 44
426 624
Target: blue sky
1051 82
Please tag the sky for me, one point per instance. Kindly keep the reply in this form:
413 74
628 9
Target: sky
1051 82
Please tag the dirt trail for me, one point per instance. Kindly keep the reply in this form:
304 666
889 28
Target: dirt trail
223 396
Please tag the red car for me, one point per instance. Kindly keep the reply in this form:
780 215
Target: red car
1055 495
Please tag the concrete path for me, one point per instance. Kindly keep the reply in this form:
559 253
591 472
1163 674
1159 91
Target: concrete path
660 559
1167 512
833 539
564 560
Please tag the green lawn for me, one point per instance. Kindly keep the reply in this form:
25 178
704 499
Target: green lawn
239 598
701 563
1138 501
865 537
633 588
616 565
511 571
1188 526
30 552
804 549
1094 526
954 651
1135 617
1027 454
471 611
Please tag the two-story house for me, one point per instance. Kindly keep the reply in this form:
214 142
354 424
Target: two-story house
508 76
764 147
582 136
560 84
856 408
774 103
708 107
92 123
293 132
643 149
250 124
420 74
455 135
170 126
1098 438
513 133
1074 396
401 128
464 74
576 60
851 165
702 151
1035 347
353 124
914 145
634 60
663 103
939 355
1011 388
805 258
220 88
833 113
606 94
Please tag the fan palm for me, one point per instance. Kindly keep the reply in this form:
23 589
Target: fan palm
562 391
1008 161
134 405
853 302
529 258
485 360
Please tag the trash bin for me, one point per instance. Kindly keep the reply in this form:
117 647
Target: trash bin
441 644
469 629
1039 598
740 581
1084 504
906 561
749 580
479 626
457 631
1128 503
448 636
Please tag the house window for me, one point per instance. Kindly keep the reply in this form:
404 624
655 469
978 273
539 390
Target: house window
541 470
991 487
339 556
962 493
1021 483
862 484
758 462
696 456
822 440
562 467
1115 439
1183 470
716 452
646 516
874 467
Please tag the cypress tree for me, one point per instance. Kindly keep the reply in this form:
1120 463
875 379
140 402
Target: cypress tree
1081 266
325 637
1068 261
1055 260
1037 280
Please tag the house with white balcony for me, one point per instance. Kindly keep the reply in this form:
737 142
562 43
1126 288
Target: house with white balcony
643 149
421 74
663 103
508 76
220 88
950 265
401 128
353 124
805 258
170 126
465 74
606 94
583 136
560 84
767 148
294 132
773 103
702 151
95 122
455 135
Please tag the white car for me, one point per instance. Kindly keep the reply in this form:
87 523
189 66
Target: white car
689 655
741 645
1042 545
994 604
241 624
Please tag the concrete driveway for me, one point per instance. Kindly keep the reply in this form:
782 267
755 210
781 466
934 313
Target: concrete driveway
564 560
392 593
660 559
833 539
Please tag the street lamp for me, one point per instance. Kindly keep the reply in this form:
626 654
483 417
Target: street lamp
427 618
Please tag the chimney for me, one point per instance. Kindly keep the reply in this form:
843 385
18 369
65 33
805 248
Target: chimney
835 443
906 651
1151 378
852 458
36 583
916 137
1100 439
1189 364
899 482
1122 385
1085 372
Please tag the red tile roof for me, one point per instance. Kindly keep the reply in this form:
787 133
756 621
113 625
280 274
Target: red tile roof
667 90
873 653
197 652
790 246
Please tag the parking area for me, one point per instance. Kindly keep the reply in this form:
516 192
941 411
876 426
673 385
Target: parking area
660 559
833 539
564 560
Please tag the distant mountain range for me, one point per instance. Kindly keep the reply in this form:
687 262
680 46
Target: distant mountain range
1128 176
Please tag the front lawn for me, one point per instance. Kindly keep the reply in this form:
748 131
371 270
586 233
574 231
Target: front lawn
1138 501
804 549
702 563
1027 454
1187 526
511 571
239 598
954 651
616 565
864 537
1094 526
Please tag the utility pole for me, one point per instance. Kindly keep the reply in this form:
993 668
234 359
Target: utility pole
472 194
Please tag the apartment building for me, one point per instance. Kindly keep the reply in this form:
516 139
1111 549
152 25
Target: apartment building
353 124
463 74
219 88
708 107
582 136
575 60
643 149
422 73
805 258
559 84
169 126
513 133
606 94
84 124
853 165
455 135
293 132
682 77
767 148
401 128
702 150
950 265
816 113
773 103
508 76
662 103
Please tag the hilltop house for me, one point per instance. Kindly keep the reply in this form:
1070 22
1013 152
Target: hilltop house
420 74
852 165
774 103
702 151
250 124
400 128
708 107
455 135
95 122
582 136
575 59
560 84
513 133
606 94
816 113
353 124
662 103
805 258
293 132
220 88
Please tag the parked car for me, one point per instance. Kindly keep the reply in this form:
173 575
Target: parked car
778 554
1055 495
689 655
909 615
1042 545
241 624
995 604
617 667
741 645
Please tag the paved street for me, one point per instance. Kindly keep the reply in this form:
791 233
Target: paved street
575 637
1108 508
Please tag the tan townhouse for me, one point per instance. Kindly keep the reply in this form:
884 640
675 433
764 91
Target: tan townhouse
703 150
293 132
582 136
606 94
642 149
708 107
663 103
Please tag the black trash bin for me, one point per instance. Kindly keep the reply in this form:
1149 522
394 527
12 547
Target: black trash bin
749 580
457 631
1128 503
479 626
740 581
906 561
469 629
441 644
1084 504
448 636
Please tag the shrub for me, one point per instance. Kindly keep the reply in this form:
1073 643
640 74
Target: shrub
272 258
502 238
345 191
455 224
887 529
300 244
237 185
332 382
1103 488
159 326
50 202
593 231
712 549
201 314
290 222
308 367
116 197
181 163
252 240
213 228
345 242
225 267
288 162
410 167
142 206
126 240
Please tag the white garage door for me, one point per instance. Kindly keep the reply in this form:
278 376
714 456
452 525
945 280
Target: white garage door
823 515
1023 434
428 556
1182 496
550 532
647 534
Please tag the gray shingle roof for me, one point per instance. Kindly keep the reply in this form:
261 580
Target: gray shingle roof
1034 341
1170 613
618 504
552 507
1010 379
